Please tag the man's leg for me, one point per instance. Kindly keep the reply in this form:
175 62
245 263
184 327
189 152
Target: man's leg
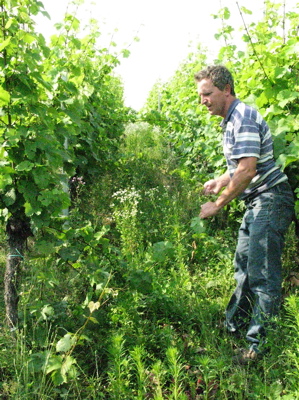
239 309
269 220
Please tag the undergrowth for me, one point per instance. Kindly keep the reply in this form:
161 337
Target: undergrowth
127 302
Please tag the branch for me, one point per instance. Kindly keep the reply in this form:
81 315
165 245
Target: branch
223 25
284 22
253 47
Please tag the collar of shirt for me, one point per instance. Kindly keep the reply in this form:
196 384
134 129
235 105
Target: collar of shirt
229 113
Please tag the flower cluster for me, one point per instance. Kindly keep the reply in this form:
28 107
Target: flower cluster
126 201
78 181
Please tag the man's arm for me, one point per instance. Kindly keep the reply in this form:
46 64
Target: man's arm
243 175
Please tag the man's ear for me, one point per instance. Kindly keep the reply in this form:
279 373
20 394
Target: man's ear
227 89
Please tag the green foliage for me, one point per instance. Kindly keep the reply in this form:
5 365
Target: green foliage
123 297
59 103
198 225
190 131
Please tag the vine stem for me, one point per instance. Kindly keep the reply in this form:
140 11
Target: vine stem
252 45
284 22
223 24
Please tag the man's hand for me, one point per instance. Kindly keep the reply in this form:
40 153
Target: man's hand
208 209
213 186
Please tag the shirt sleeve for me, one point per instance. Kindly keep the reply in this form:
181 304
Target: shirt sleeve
247 140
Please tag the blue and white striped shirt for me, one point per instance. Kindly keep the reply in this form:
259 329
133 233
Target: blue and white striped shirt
246 134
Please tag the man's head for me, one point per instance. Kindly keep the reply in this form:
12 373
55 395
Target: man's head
216 89
219 75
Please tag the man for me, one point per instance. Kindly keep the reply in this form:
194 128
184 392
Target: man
253 176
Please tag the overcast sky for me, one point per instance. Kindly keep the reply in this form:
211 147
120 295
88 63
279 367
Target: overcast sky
165 29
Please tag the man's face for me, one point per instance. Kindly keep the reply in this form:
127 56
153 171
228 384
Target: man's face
213 98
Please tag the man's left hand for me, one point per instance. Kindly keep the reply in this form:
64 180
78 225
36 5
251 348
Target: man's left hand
208 209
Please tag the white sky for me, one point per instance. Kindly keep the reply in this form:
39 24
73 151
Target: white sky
165 29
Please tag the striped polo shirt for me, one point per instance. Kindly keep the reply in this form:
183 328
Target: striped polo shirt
246 134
